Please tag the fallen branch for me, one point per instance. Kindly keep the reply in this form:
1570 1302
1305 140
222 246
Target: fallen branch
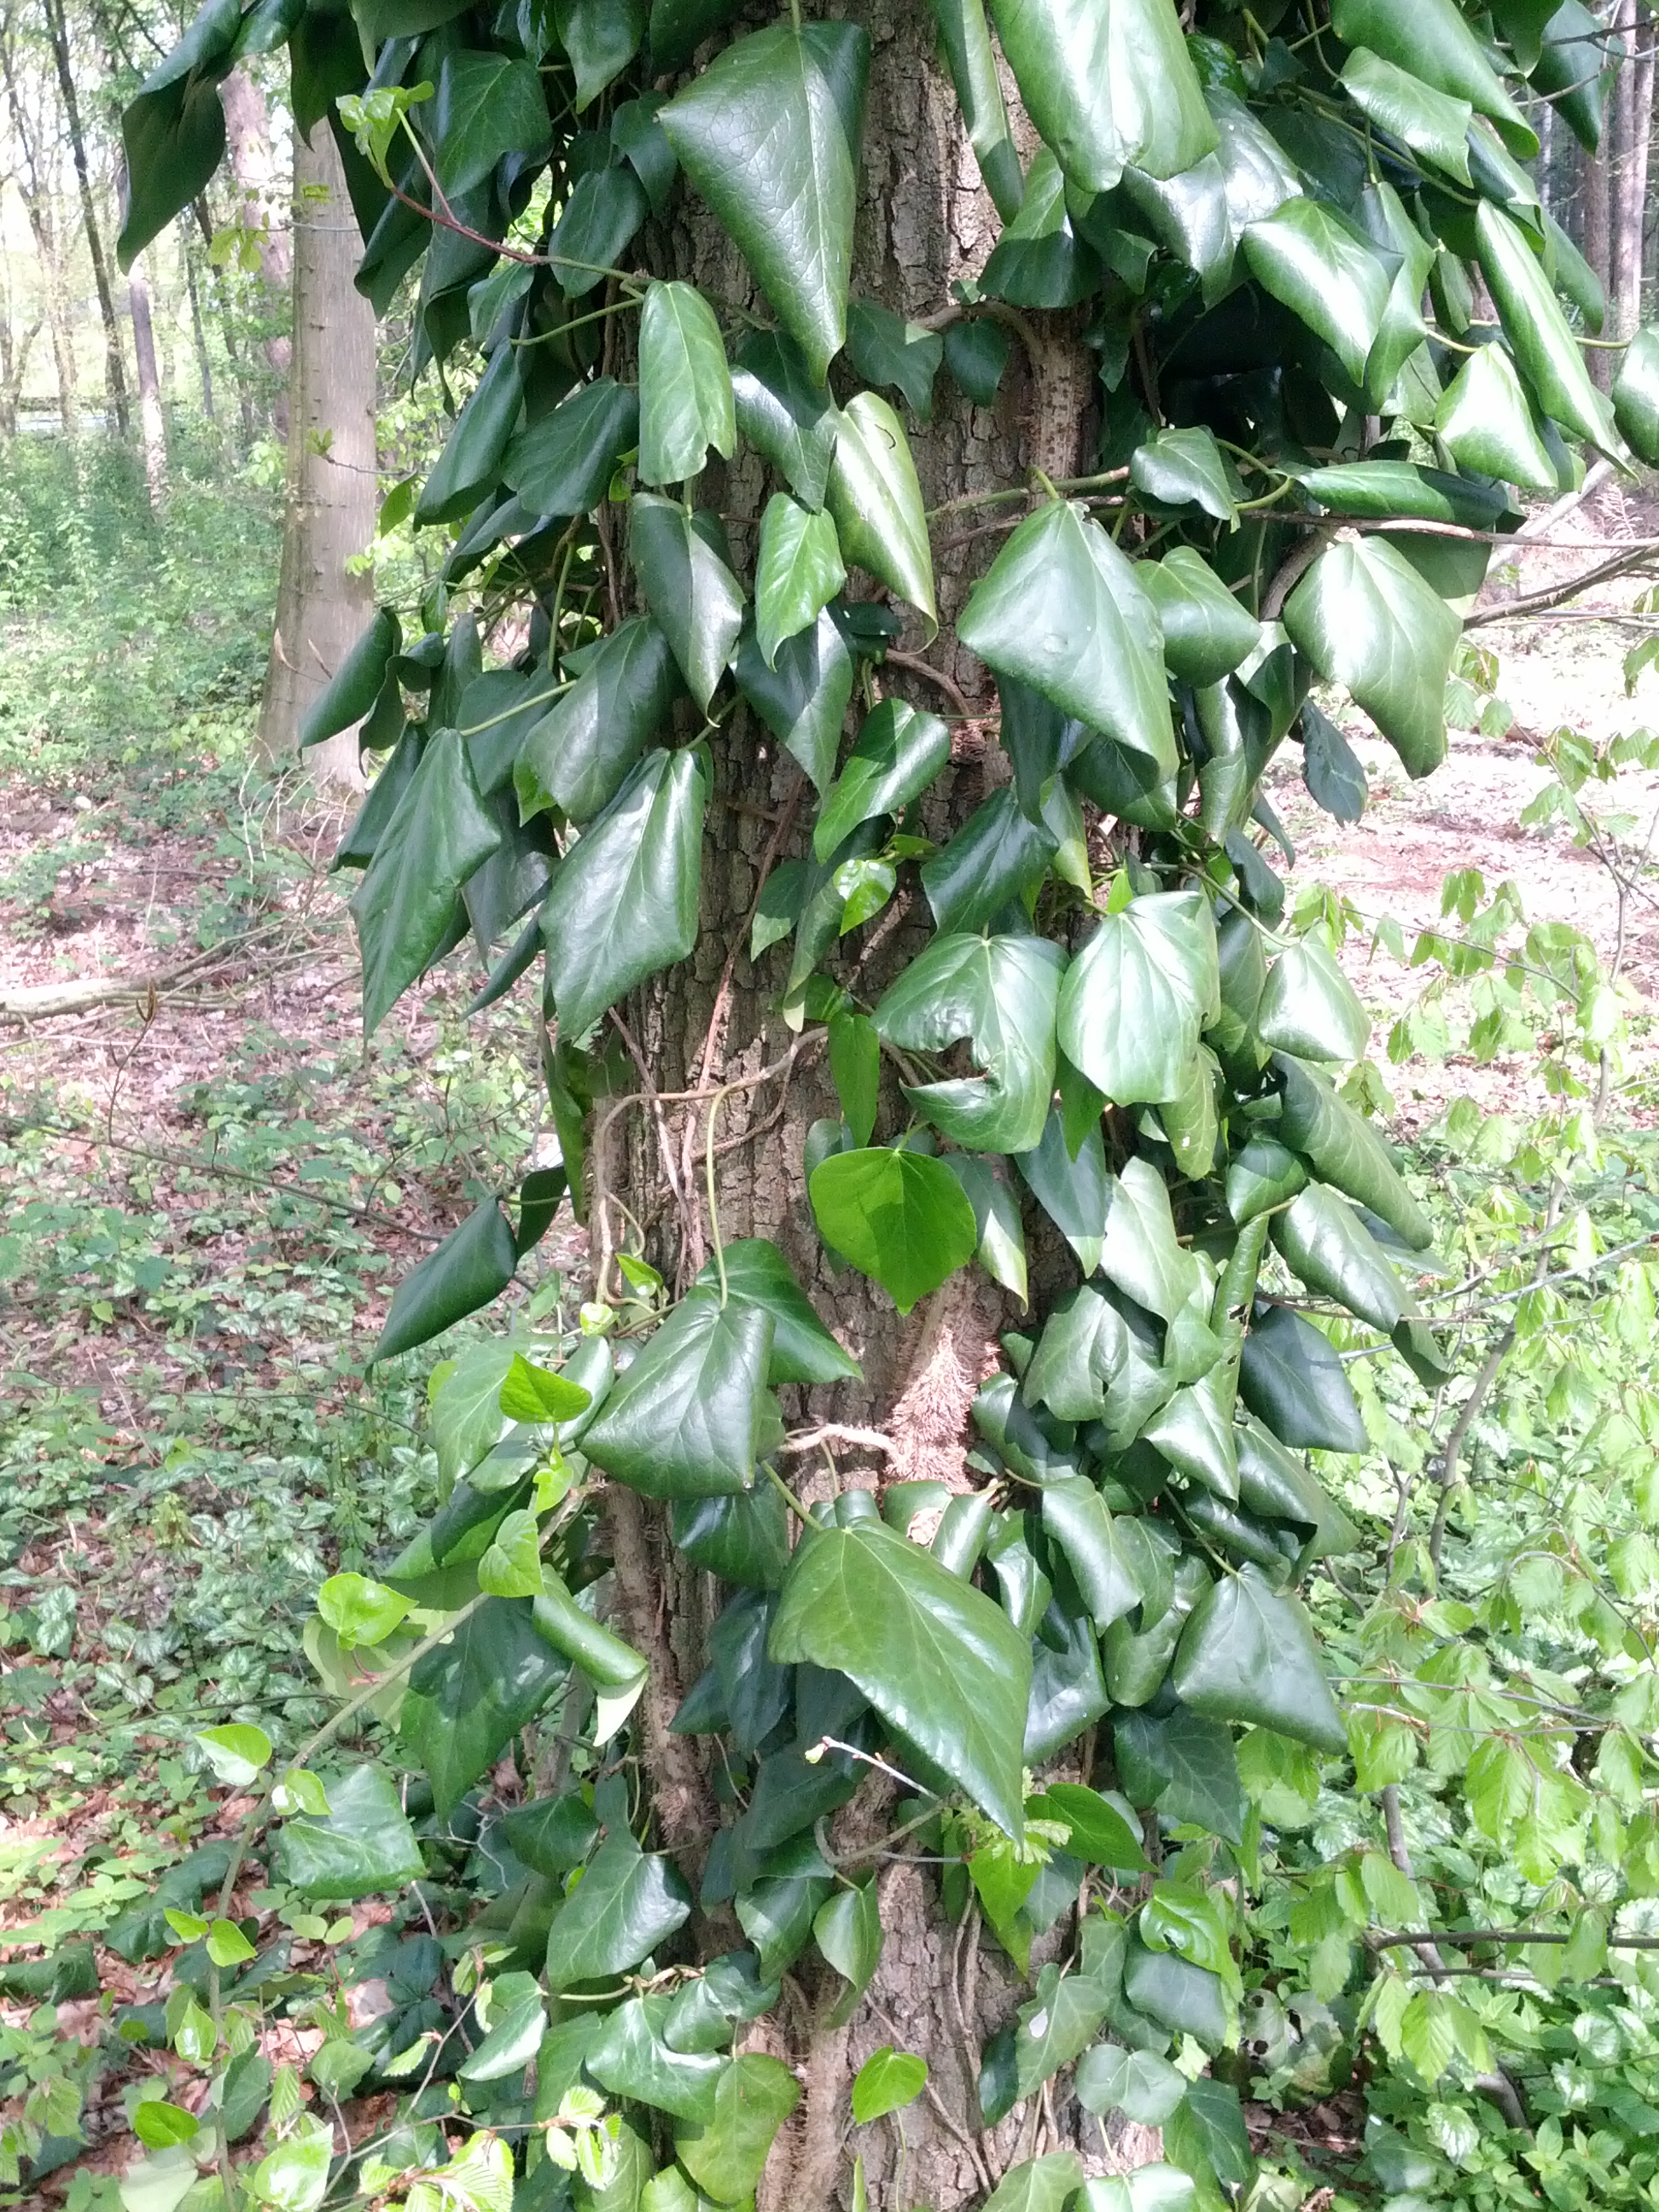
32 1002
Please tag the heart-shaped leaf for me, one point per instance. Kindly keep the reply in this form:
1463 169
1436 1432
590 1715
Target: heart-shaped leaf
1308 256
1181 468
1431 39
1431 124
876 499
1337 1257
684 1419
1292 1381
562 463
1309 1007
1636 396
1000 994
1207 633
626 1904
802 697
899 1217
1342 1149
487 107
900 750
680 560
1108 87
365 1844
1485 420
1247 1654
996 860
1537 331
577 756
788 418
1074 1189
1330 767
1135 997
686 386
1366 619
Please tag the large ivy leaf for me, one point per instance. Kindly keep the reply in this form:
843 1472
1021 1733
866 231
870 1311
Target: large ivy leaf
356 683
1292 1381
802 697
1181 468
1076 1521
1434 125
1000 994
604 211
1062 610
1247 1654
1572 64
1072 1189
1108 87
686 386
1080 1353
942 1664
562 463
362 1844
1185 1764
1486 422
1041 2185
576 757
798 571
1141 1252
629 2057
1330 1248
898 1216
1039 261
1134 999
788 418
173 131
599 38
1367 620
471 456
440 834
803 1350
624 898
725 2157
1537 331
680 560
474 1264
900 750
1430 39
769 135
468 1698
627 1903
1636 396
1309 1007
1320 267
683 1420
487 107
1343 1149
996 860
1207 633
876 499
744 1538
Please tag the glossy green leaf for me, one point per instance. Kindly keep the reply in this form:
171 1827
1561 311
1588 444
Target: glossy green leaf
1056 2025
1330 767
599 38
473 1265
804 697
626 1904
803 1350
785 414
744 1539
1041 2185
1366 619
293 2176
770 136
487 107
1636 396
678 27
356 684
1074 1192
943 1666
1343 1149
1247 1654
1319 266
1194 1432
886 350
630 2059
1135 997
1080 1353
1206 632
1039 261
977 355
563 463
996 861
887 2081
472 452
623 901
1186 467
683 1420
898 1216
1328 1245
1431 39
1485 420
1379 491
855 1070
847 1930
1062 610
726 2158
1207 2136
577 757
1573 60
467 1699
900 750
172 132
359 1610
1109 89
1100 1833
1309 1007
612 1666
602 212
1185 1764
686 386
798 571
1001 1246
876 499
1292 1381
966 39
688 586
1076 1521
363 1845
1185 1999
1133 785
1140 2085
1431 124
440 834
1537 331
1261 1174
1000 994
551 1835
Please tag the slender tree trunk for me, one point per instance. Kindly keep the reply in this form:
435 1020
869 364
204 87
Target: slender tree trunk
1635 111
1545 123
1595 193
115 375
149 388
227 328
197 329
247 133
321 608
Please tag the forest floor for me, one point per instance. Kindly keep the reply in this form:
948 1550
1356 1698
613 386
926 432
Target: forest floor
206 1197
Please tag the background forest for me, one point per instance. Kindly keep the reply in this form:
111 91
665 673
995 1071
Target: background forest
1409 1964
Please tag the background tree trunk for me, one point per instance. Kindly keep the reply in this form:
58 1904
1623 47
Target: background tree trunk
247 133
154 420
1595 205
329 515
1632 139
115 375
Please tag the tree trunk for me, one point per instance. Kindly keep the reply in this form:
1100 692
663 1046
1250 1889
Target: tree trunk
149 389
248 134
115 375
924 222
198 328
1596 199
227 329
330 503
1633 138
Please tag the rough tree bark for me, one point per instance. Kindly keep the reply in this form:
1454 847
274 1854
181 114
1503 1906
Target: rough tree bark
924 221
329 499
115 374
1595 219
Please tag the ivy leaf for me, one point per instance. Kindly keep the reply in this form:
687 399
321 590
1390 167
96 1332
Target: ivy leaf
1039 261
576 757
943 1665
688 586
1072 1190
1109 89
1313 260
1207 2138
1041 2185
683 1420
977 355
1343 1149
1331 767
1081 1353
998 858
630 2059
1247 1654
471 456
804 696
174 131
803 1350
1077 1524
626 1904
1181 468
798 571
602 212
623 901
856 1068
1431 39
876 499
440 834
1207 633
847 1930
1062 610
1328 1245
1058 2022
1367 620
1433 124
1293 1381
788 418
1134 1000
363 1844
599 38
884 348
1636 395
473 1265
467 1699
1485 421
1309 1007
487 107
516 2025
678 27
898 1216
1140 2085
769 135
356 684
1100 1834
562 463
1537 331
999 993
512 1566
744 1538
686 386
1001 1246
900 750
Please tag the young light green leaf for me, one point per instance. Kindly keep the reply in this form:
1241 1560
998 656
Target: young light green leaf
897 1216
360 1610
888 2080
236 1752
